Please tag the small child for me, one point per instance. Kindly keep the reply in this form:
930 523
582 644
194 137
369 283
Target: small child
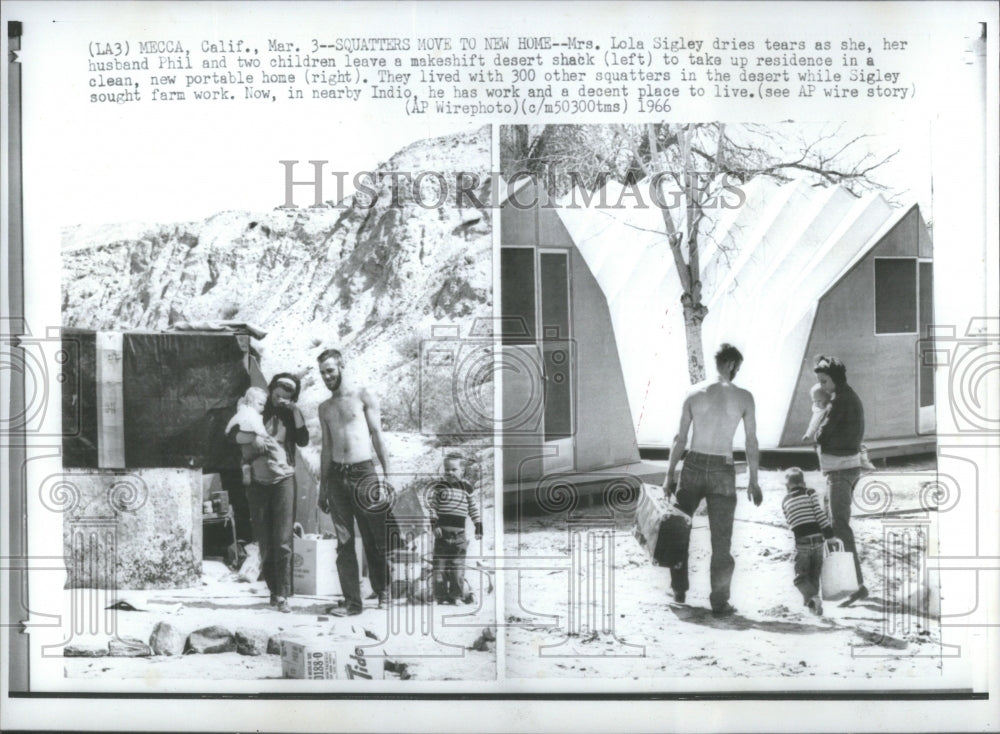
272 463
820 409
451 501
811 526
821 401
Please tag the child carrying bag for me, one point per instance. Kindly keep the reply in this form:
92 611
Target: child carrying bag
838 578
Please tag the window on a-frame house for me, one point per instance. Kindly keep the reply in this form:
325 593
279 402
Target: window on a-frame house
517 295
895 295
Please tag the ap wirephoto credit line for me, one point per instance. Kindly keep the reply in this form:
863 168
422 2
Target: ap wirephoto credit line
500 366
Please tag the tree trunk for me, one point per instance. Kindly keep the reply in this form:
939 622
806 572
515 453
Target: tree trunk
694 314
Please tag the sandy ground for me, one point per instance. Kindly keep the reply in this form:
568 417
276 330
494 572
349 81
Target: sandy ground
644 635
442 653
648 635
434 641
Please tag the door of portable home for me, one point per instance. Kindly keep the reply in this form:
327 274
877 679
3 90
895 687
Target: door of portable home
565 410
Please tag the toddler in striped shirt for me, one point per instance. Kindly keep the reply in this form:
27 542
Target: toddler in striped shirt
812 528
451 503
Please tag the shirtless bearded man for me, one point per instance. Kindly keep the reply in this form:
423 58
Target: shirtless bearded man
713 409
349 487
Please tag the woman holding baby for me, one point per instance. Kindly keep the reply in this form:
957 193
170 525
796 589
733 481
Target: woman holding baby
268 425
838 427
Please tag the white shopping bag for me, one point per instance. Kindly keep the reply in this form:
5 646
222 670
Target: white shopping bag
839 578
250 570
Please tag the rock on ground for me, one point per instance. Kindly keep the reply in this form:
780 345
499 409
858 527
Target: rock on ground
251 641
166 640
84 651
485 642
274 645
211 640
128 647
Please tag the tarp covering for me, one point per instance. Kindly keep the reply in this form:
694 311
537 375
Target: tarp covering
110 401
179 391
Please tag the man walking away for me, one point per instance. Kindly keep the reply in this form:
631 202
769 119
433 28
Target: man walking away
712 410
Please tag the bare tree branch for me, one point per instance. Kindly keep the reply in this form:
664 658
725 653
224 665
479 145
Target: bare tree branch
699 159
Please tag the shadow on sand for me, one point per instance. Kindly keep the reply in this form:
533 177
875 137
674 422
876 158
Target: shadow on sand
704 617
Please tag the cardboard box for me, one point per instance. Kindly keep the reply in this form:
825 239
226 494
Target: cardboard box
357 663
324 660
314 566
300 659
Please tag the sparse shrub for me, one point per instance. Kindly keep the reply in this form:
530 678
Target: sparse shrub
409 346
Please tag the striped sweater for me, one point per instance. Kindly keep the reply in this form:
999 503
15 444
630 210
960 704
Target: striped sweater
450 501
804 515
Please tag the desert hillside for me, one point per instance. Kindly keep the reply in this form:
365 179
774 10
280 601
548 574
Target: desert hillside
369 279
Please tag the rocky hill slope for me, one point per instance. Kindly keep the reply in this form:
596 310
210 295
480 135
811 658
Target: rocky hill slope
369 279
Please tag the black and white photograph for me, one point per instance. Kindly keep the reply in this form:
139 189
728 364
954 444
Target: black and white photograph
738 313
254 406
510 366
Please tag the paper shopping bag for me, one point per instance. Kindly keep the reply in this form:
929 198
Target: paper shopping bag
838 578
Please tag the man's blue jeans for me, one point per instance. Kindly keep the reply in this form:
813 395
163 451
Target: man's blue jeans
354 495
714 479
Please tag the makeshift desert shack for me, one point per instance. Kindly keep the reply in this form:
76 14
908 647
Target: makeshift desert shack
153 481
595 354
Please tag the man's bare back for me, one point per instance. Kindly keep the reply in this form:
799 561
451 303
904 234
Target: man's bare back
712 410
716 410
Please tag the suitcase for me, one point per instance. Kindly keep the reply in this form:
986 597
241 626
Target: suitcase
661 527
